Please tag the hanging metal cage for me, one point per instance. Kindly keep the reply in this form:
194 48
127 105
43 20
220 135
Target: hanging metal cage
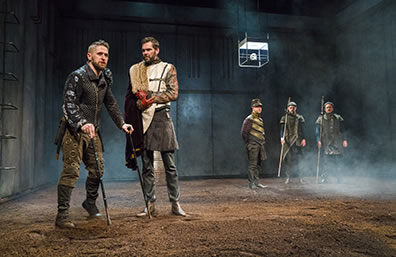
253 52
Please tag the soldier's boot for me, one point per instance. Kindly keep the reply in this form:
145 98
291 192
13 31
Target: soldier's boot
153 211
177 210
62 218
91 186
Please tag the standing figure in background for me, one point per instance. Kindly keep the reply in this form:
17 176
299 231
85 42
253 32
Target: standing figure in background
153 85
253 136
86 89
293 142
333 141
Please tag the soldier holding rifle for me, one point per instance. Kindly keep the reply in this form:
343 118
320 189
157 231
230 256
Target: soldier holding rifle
292 140
332 141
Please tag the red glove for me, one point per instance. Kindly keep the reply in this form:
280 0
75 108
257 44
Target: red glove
146 103
140 94
144 99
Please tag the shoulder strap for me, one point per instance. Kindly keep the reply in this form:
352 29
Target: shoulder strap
159 82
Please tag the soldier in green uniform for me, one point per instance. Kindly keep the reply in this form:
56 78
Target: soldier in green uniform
293 141
253 135
332 141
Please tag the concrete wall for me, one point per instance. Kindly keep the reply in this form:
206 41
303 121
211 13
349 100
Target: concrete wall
366 55
215 93
33 122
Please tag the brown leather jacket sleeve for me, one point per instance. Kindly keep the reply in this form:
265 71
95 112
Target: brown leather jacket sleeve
172 88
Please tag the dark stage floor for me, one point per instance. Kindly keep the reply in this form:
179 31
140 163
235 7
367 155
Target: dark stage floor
357 218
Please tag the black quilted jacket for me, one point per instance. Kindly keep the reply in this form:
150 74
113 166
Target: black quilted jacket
84 95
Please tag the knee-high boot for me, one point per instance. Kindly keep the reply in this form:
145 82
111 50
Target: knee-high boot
91 186
62 218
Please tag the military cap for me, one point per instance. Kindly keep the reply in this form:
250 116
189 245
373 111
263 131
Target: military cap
256 102
292 104
328 103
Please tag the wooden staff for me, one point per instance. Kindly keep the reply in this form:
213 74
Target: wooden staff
133 158
320 140
284 134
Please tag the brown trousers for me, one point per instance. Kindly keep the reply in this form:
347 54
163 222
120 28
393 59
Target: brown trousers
74 152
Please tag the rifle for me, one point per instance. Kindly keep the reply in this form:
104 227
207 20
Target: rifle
282 147
101 181
320 139
133 157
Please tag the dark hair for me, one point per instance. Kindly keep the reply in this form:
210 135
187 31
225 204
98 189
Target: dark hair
154 41
98 43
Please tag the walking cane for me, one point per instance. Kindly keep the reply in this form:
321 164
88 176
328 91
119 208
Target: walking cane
320 140
101 182
138 171
282 147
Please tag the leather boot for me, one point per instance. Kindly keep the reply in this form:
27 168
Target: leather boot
62 218
177 210
153 211
91 186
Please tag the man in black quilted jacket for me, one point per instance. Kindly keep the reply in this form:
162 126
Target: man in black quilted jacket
86 90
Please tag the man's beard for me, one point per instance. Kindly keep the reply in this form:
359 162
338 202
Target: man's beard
97 66
150 60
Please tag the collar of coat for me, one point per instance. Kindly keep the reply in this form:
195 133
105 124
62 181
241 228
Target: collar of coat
158 60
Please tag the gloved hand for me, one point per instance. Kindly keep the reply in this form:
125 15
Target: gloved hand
140 94
146 103
144 99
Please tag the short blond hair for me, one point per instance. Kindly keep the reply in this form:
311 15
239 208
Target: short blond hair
100 42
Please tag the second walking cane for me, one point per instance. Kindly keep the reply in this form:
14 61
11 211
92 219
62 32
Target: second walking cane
320 139
133 158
